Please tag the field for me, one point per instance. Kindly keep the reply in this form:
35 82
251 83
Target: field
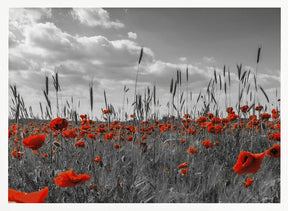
182 157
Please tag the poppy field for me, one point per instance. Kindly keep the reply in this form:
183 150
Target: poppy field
194 154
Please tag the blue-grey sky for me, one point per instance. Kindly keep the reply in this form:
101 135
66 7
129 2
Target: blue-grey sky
104 45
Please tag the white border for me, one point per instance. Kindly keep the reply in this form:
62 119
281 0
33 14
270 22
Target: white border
126 4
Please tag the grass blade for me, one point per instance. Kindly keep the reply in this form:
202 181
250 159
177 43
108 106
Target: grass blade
266 96
141 55
171 86
105 99
258 54
215 77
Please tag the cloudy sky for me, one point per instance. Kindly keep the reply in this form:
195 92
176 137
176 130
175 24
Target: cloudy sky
103 45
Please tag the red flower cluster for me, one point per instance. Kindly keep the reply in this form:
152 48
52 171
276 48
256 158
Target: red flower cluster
259 108
109 136
69 134
130 138
265 116
107 111
192 150
207 144
80 144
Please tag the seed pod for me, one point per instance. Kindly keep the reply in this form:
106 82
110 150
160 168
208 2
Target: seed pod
55 143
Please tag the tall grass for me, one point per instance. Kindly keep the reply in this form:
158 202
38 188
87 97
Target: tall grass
146 169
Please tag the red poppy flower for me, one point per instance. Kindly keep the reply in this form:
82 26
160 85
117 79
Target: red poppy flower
207 144
248 182
107 111
251 117
275 115
22 197
129 138
259 108
85 128
277 136
69 134
205 124
97 159
215 120
210 115
70 179
117 146
229 110
244 108
186 116
83 116
248 162
44 155
13 153
34 142
183 165
91 136
183 140
232 117
9 133
80 144
211 128
201 119
109 136
192 150
183 172
58 124
191 131
265 116
274 151
163 129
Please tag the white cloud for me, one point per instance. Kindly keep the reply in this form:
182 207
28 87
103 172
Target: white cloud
183 59
268 81
95 17
132 35
47 36
19 17
209 59
13 41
